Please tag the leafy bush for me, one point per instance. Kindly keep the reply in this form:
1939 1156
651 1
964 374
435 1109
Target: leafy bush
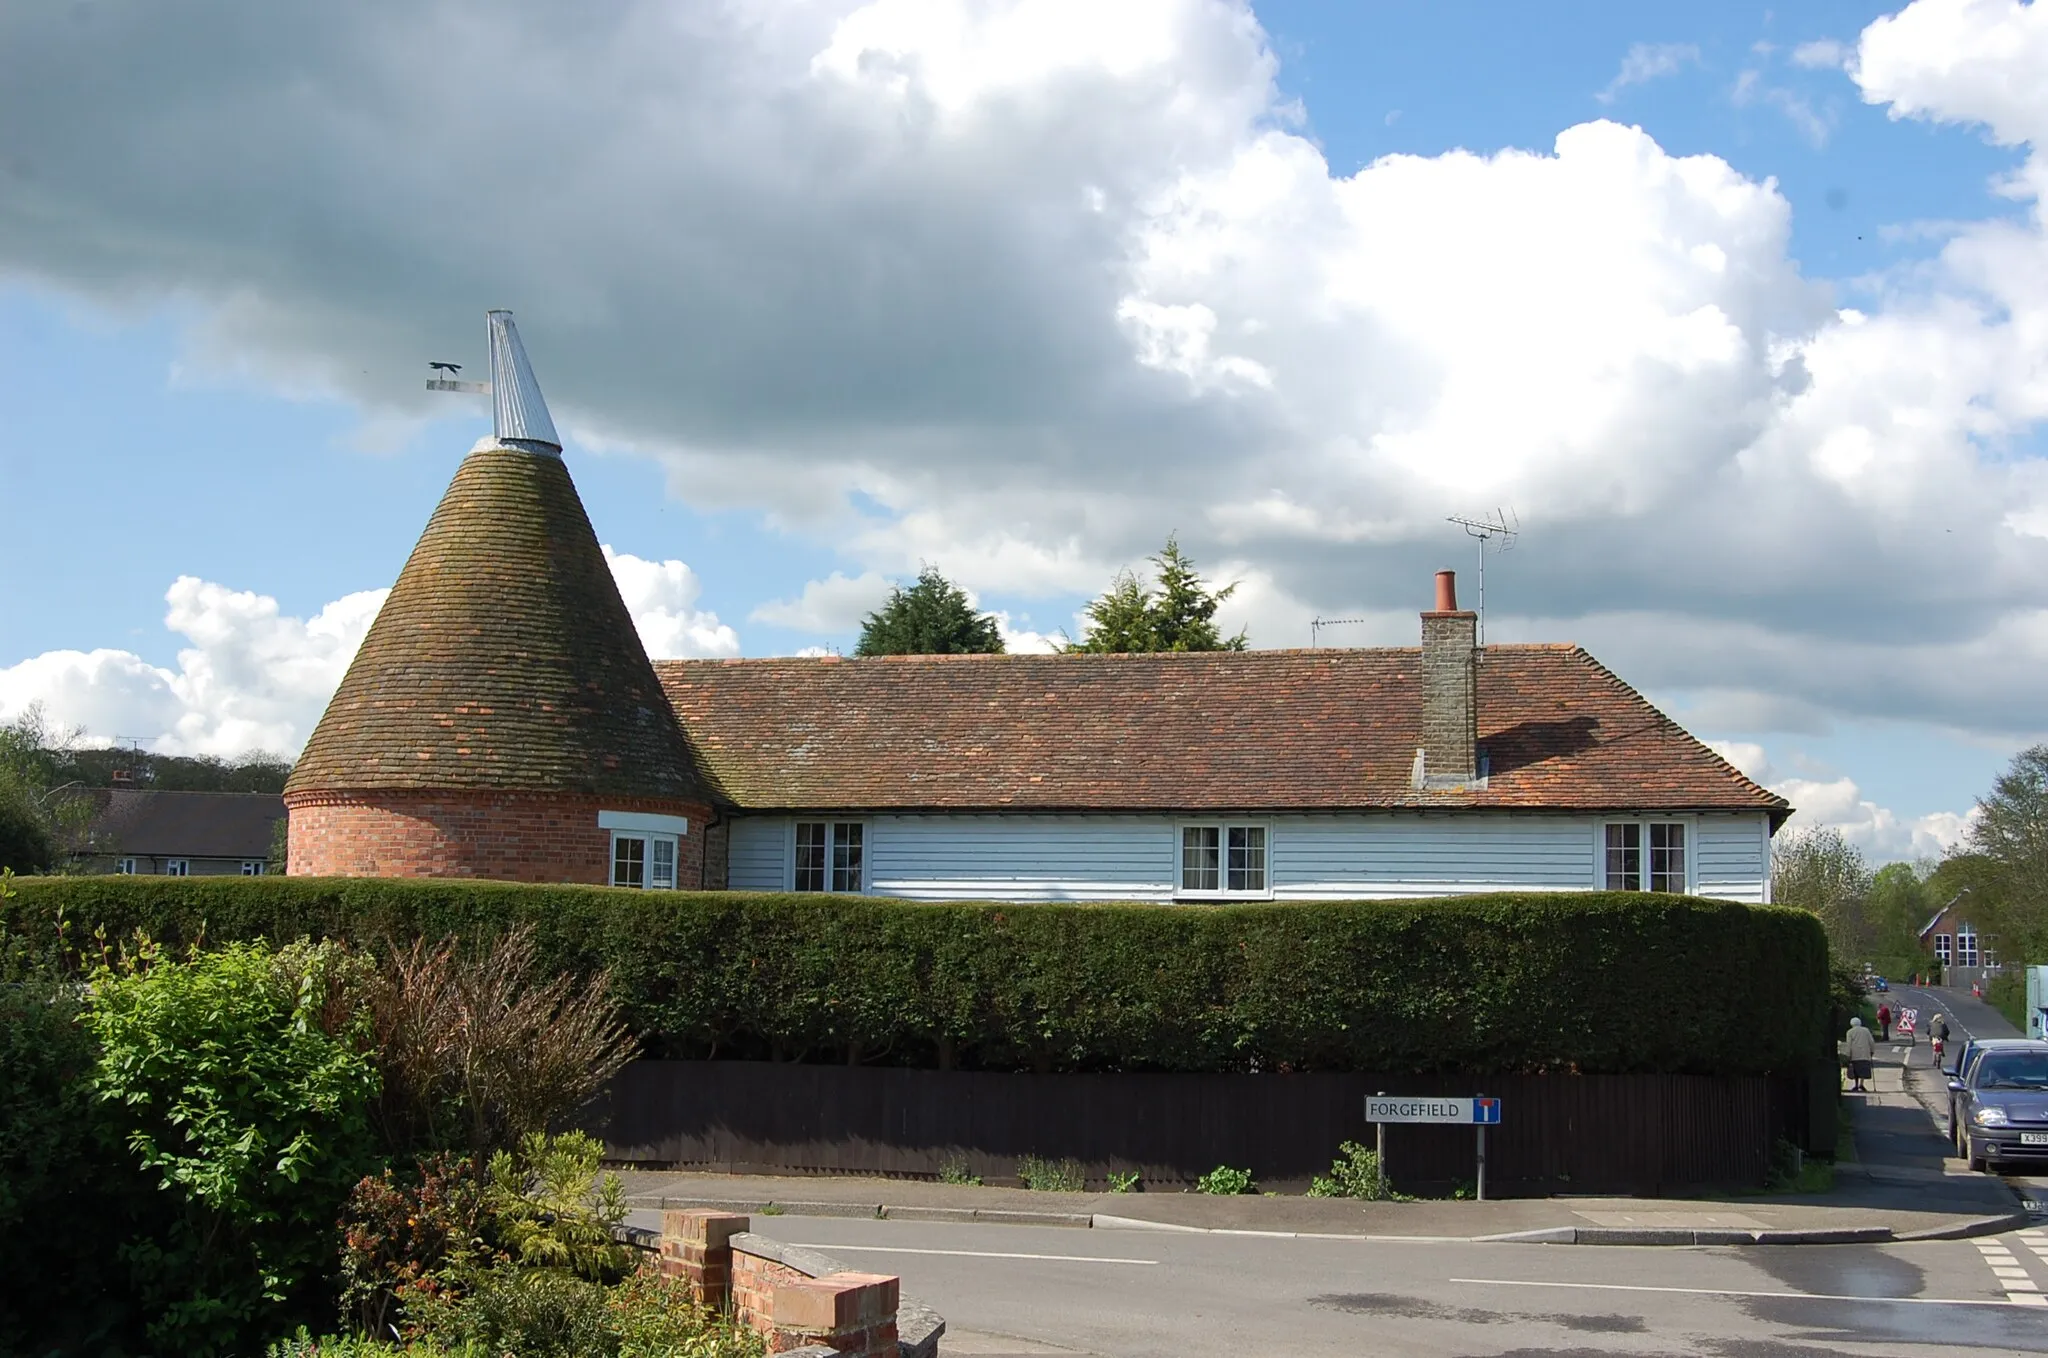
551 1208
1514 983
1124 1183
1050 1176
1225 1181
514 1312
68 1186
1355 1173
399 1237
241 1082
955 1171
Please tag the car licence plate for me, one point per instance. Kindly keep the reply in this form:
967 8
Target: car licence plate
2034 1138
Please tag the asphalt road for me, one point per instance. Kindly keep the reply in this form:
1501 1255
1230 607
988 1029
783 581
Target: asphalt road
1017 1290
1967 1018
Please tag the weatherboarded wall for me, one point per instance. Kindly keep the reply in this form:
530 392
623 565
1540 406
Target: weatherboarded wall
1325 857
1636 1134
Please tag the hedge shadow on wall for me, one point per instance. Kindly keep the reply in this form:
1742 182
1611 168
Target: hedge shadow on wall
1606 982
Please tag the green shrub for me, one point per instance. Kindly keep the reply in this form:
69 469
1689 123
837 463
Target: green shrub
1355 1173
550 1207
2007 993
1051 1176
1508 983
1124 1183
241 1084
1226 1182
398 1235
955 1171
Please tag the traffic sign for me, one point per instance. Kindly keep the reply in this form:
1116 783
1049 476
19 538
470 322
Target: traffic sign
1465 1112
1907 1022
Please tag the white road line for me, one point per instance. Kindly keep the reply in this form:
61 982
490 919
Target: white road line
836 1248
1734 1292
2009 1273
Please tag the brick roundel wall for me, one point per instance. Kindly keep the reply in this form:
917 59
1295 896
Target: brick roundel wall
503 836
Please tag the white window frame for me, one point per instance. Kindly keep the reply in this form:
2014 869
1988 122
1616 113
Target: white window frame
654 833
1691 826
1942 950
1969 950
833 825
177 867
652 845
1222 825
254 867
124 867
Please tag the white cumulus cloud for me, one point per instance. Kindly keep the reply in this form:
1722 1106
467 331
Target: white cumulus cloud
1023 285
252 677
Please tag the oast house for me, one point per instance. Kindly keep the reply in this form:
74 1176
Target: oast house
502 720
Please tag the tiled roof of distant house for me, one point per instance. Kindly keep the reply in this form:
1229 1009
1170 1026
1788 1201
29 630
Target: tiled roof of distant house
145 823
1240 731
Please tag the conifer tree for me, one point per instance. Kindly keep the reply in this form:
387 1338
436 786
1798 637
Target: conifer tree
1178 615
932 617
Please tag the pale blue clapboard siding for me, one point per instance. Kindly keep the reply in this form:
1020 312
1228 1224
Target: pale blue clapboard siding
757 854
1734 857
1386 856
1016 858
1339 857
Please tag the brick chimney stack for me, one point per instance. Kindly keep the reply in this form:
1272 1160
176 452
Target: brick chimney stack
1450 699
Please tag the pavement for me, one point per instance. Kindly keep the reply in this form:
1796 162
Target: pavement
1901 1185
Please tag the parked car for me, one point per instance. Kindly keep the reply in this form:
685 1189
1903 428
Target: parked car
1880 985
2003 1106
1966 1060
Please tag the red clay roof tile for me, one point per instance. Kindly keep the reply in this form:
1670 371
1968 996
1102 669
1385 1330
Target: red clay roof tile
1237 731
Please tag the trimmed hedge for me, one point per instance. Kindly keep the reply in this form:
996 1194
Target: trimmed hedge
1595 982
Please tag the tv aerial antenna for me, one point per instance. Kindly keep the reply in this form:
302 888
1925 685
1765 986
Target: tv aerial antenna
1316 626
1498 531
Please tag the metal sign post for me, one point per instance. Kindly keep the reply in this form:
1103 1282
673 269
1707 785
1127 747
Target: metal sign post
1380 1152
1479 1112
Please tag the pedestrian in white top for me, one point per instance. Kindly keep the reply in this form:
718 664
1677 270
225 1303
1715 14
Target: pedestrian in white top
1862 1052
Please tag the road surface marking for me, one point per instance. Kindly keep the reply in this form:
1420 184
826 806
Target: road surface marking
2009 1274
1736 1292
973 1254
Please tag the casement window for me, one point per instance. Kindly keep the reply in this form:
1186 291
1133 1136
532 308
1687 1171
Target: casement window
1941 949
646 848
125 867
252 867
831 855
1644 855
1966 946
1223 860
177 867
644 860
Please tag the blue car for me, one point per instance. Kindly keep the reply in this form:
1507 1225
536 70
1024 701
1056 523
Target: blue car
2002 1107
1880 985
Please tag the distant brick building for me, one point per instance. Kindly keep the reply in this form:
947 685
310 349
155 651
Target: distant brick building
502 720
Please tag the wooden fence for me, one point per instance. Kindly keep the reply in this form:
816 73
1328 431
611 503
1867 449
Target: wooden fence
1569 1134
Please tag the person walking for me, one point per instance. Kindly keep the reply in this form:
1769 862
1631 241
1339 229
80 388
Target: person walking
1884 1023
1862 1052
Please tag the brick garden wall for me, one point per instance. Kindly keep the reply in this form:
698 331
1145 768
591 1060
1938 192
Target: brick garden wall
797 1300
503 836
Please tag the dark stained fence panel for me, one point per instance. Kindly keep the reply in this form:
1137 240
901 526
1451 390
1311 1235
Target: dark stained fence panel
1636 1134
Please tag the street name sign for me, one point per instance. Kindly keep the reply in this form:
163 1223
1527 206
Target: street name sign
1481 1112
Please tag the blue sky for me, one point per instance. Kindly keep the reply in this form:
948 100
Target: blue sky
219 377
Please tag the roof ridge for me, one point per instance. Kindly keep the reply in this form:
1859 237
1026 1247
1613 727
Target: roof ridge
1592 661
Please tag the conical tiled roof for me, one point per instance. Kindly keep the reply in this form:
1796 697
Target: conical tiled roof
504 658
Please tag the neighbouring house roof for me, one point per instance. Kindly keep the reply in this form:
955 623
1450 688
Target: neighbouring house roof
504 657
136 822
1220 731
